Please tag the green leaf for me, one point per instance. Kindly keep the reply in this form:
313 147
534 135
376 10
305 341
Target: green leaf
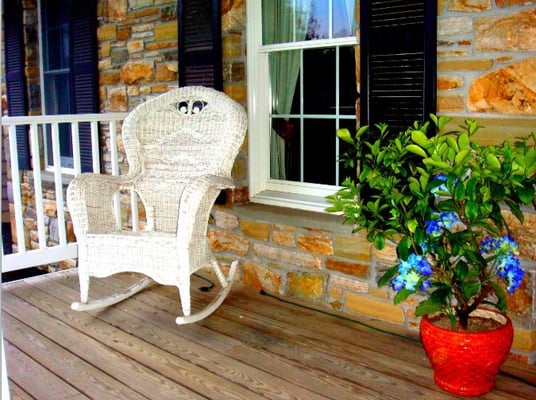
493 162
413 148
345 135
403 248
526 194
461 156
470 289
362 130
427 307
471 210
436 163
420 138
379 241
402 295
463 141
412 225
388 275
462 270
501 295
452 143
459 191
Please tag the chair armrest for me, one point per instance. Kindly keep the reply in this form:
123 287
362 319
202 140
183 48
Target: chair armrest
196 203
90 202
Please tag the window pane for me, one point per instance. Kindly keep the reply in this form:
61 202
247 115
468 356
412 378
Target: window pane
343 18
58 94
66 147
286 21
285 149
351 125
347 81
56 36
319 141
318 23
319 80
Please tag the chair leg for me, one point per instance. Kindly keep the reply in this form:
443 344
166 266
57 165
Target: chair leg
84 286
216 302
113 299
184 292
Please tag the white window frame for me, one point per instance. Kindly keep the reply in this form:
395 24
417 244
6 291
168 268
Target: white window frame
262 188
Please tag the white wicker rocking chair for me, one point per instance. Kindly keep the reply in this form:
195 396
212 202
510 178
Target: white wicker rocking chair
180 147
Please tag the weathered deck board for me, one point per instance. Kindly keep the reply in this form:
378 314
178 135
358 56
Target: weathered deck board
253 347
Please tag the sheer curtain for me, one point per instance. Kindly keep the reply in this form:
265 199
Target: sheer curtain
284 21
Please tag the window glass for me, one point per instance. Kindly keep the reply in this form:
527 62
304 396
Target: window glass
286 21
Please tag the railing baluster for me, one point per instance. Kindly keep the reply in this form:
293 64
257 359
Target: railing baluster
38 186
115 172
95 147
58 183
75 135
17 198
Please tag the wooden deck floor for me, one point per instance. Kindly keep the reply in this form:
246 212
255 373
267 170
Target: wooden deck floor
254 347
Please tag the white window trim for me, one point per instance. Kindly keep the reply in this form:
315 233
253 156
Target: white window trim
263 189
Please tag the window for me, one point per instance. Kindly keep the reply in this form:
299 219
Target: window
302 87
69 72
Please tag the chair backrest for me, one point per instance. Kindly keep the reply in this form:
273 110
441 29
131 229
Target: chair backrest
175 137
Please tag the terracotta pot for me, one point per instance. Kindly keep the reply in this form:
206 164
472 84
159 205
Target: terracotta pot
466 363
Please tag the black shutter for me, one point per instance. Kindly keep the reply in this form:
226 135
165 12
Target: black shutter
398 61
84 70
15 80
200 53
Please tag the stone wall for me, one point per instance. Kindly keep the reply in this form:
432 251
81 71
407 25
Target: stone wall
487 64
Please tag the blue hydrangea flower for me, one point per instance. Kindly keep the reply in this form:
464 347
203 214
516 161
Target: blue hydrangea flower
503 251
411 272
445 220
441 189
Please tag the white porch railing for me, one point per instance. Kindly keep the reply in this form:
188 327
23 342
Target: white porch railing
47 253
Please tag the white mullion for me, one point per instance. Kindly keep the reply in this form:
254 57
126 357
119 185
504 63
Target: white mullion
337 111
302 121
330 19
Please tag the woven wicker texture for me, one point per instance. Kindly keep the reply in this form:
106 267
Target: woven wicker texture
466 363
180 147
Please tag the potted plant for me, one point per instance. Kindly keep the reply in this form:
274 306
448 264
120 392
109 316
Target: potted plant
440 197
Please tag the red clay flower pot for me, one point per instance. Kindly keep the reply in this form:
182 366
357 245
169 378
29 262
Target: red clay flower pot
466 363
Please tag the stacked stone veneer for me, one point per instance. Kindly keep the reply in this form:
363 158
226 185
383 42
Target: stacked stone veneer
486 70
317 259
